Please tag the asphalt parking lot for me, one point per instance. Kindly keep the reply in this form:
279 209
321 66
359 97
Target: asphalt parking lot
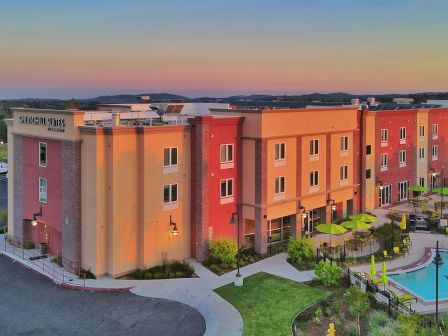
31 305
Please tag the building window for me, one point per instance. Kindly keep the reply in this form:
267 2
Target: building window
368 149
42 154
383 160
226 153
421 153
435 152
170 156
279 184
343 173
402 158
403 188
227 187
280 152
170 193
314 147
368 174
402 133
421 181
314 178
344 143
384 135
43 190
278 229
435 130
422 131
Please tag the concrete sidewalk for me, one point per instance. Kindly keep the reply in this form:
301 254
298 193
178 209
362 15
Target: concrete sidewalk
220 316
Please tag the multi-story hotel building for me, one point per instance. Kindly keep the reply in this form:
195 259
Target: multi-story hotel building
116 191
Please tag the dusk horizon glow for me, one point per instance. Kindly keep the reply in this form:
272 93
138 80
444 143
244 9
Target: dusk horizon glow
208 48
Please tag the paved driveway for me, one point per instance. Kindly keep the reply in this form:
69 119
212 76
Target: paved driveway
31 305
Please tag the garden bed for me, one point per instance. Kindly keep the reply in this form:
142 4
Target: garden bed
172 270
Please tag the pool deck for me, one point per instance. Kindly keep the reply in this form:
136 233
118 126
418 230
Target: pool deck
419 254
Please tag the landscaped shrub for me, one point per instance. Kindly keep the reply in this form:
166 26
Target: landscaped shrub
175 269
378 319
87 273
215 268
328 273
358 303
300 249
57 261
4 216
224 251
28 245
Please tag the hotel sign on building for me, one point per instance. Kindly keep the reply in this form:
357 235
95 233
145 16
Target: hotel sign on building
52 124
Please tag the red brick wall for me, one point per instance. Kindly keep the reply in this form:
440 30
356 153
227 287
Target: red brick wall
440 117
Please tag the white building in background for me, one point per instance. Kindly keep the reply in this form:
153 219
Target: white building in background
443 103
403 100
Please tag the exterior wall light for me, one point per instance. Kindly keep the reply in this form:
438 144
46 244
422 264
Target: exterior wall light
174 225
304 214
36 216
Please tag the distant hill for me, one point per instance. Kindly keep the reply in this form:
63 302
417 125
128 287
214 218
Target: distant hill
117 99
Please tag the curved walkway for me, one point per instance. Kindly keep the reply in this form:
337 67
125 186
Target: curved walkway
221 317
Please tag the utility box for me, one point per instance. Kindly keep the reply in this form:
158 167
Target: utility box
43 248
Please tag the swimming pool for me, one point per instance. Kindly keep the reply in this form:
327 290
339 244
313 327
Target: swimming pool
422 282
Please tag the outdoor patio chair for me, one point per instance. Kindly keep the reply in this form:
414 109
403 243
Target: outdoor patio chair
372 280
404 298
386 256
397 250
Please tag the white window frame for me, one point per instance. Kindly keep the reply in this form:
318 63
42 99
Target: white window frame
42 145
384 161
170 195
43 190
384 135
435 131
280 151
435 152
422 131
421 153
343 173
170 156
224 151
402 158
279 185
344 143
403 190
314 147
314 178
403 134
228 184
421 181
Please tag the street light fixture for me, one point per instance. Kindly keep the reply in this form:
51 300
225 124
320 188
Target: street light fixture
175 231
437 262
235 219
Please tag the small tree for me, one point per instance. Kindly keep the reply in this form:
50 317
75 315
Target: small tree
4 215
328 273
300 249
224 252
358 302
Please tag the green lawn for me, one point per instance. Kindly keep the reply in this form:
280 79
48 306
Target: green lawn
269 303
3 152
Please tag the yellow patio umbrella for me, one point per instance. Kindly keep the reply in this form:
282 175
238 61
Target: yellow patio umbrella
384 279
403 222
372 266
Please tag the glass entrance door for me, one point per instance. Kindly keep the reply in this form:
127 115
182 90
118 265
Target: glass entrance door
385 195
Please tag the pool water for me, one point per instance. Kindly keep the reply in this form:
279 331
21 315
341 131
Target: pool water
422 282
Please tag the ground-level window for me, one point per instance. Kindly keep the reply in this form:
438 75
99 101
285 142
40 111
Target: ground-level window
227 187
43 190
314 178
42 154
170 193
279 229
385 195
403 188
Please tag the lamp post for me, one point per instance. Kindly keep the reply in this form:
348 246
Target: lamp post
238 277
441 197
437 262
36 216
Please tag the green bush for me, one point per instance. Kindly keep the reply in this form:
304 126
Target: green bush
358 303
378 319
351 329
28 245
4 216
328 273
300 249
148 275
57 261
224 252
179 274
87 273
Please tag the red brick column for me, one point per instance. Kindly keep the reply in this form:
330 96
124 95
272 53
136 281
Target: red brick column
261 235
